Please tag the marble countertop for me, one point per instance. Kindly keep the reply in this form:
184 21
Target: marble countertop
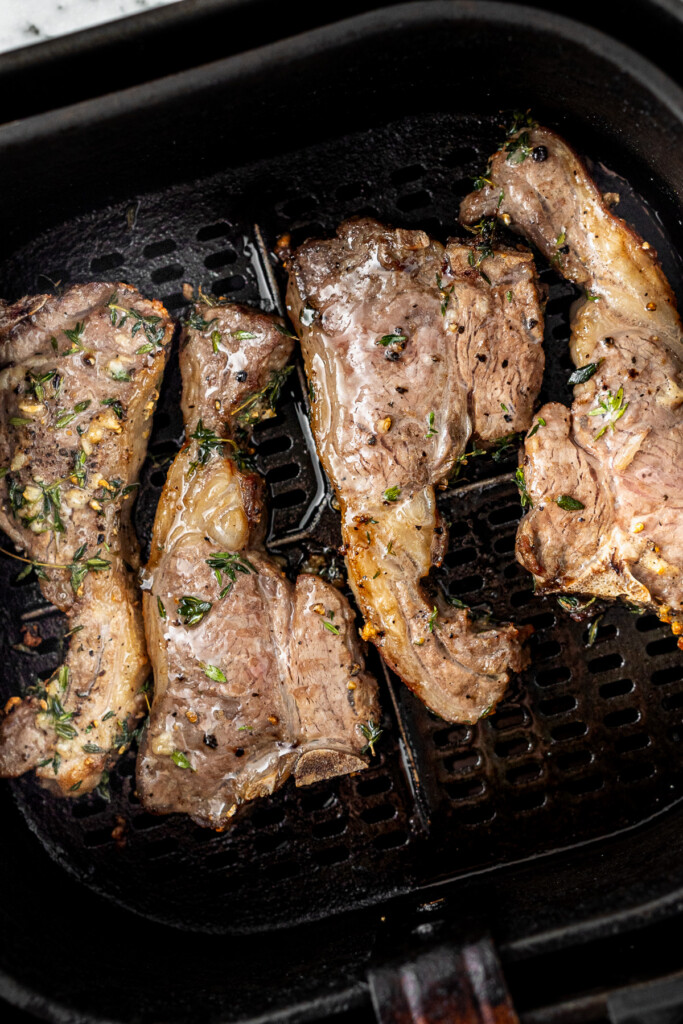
23 22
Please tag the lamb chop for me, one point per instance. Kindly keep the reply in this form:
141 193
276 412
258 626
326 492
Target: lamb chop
80 379
601 479
411 350
256 678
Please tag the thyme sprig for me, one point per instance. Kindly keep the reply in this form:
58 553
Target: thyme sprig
261 404
612 408
152 326
230 563
372 732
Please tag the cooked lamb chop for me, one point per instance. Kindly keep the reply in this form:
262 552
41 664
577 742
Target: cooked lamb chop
410 350
79 384
602 477
256 678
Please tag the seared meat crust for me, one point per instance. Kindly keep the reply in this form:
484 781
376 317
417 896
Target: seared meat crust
79 382
270 680
616 449
410 350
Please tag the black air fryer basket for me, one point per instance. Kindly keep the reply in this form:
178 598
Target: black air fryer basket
551 831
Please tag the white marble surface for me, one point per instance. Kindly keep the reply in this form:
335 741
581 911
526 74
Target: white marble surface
23 22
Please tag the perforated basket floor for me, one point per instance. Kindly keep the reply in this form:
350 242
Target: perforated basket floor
589 738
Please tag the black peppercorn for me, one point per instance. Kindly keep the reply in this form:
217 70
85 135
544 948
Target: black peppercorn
392 356
241 376
540 153
564 249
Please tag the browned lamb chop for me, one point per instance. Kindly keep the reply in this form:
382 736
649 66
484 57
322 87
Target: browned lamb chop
256 678
79 383
603 486
411 350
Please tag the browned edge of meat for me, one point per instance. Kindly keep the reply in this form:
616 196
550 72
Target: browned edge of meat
411 351
79 382
603 479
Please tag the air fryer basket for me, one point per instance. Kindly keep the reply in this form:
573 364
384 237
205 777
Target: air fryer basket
391 116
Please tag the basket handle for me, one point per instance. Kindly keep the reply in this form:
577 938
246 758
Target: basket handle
445 984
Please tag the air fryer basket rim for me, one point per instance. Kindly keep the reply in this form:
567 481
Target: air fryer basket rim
296 48
652 898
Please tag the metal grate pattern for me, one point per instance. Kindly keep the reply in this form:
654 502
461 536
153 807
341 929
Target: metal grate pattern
588 740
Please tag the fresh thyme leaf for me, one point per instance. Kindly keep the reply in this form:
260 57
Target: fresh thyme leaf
78 472
197 322
521 485
445 293
612 408
330 627
584 373
16 495
540 422
478 183
283 330
593 630
92 748
3 472
115 406
240 456
208 443
109 714
151 326
456 602
212 672
372 733
561 239
19 421
102 789
483 248
63 419
591 297
63 677
215 340
193 609
75 336
160 608
36 382
569 504
122 375
518 148
261 404
180 761
520 119
50 517
76 785
392 493
61 719
79 568
230 563
376 575
431 621
508 295
390 339
430 426
24 573
242 335
81 406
